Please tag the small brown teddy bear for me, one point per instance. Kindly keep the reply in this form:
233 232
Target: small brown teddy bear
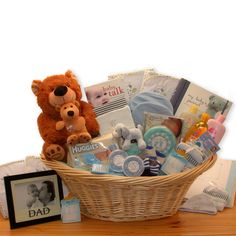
74 123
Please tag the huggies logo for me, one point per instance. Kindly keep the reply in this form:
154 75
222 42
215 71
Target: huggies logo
84 148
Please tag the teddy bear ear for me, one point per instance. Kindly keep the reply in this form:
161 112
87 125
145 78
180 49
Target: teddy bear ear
69 74
35 86
77 103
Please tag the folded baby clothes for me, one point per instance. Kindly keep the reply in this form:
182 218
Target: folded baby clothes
218 196
200 203
149 102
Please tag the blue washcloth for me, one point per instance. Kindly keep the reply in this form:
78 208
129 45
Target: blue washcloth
149 102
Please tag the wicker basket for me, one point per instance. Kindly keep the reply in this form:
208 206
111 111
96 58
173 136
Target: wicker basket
119 198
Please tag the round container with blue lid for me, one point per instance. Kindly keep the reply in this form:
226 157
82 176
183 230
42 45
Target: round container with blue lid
116 159
133 166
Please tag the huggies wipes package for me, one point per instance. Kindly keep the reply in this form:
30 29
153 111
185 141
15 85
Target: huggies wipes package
85 155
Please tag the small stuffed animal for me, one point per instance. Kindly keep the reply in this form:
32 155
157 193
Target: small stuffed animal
127 136
215 105
74 123
52 93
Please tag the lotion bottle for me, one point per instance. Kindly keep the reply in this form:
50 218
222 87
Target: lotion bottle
197 129
216 128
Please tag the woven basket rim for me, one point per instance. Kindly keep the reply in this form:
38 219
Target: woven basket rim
191 173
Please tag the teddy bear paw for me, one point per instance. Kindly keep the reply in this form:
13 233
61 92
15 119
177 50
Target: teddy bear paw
55 152
84 137
72 139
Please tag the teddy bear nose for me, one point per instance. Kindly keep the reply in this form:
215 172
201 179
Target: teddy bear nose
60 91
70 113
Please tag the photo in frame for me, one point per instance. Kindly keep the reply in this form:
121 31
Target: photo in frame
33 198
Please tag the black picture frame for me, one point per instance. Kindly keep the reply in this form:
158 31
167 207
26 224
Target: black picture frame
33 198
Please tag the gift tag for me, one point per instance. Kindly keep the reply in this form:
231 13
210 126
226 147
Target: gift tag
70 210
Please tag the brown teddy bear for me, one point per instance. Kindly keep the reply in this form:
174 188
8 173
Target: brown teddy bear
74 123
52 93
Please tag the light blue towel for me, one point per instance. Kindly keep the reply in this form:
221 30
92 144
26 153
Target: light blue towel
149 102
